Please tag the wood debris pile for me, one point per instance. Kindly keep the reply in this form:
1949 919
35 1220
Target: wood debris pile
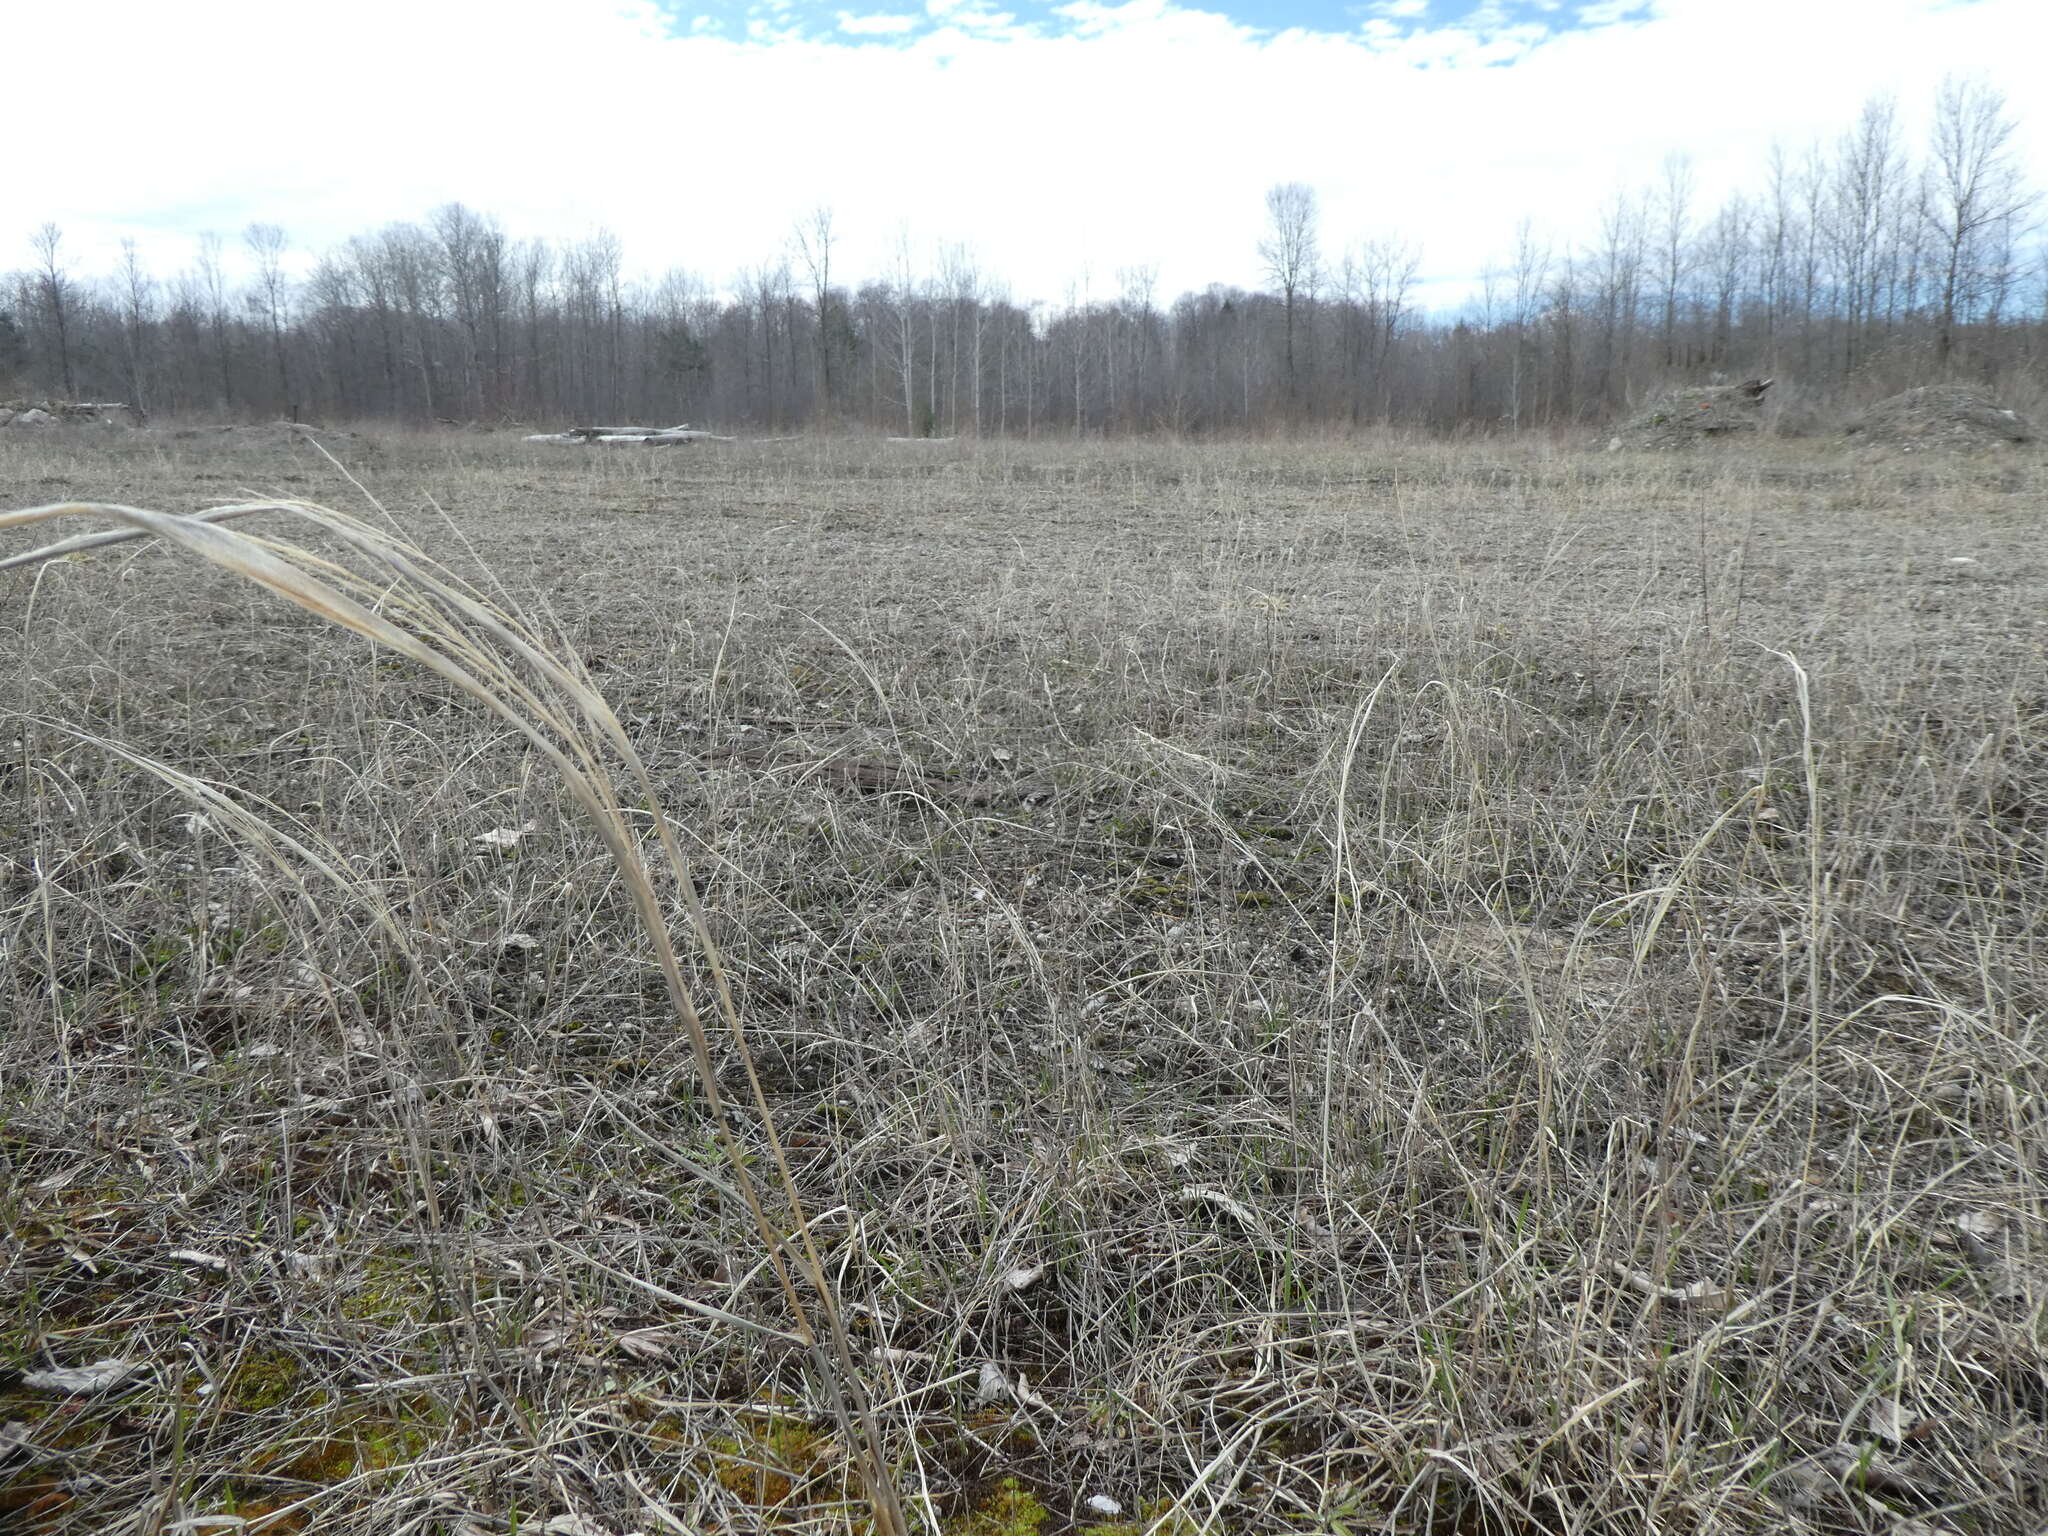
53 413
1680 417
655 436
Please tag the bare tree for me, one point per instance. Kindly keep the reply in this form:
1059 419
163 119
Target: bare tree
1289 252
1530 271
267 245
1976 196
1618 263
213 278
55 293
1674 205
138 303
904 293
1869 178
472 252
814 241
1725 256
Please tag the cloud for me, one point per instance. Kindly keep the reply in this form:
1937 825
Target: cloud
1606 12
1090 137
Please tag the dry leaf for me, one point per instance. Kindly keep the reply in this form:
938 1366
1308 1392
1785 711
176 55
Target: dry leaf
1020 1389
503 837
995 1384
647 1344
2009 1282
100 1376
1889 1420
1806 1484
1875 1472
890 1356
573 1525
15 1443
1985 1226
314 1266
1202 1194
1701 1292
199 1260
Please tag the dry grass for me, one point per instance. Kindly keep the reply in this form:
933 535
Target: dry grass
1496 990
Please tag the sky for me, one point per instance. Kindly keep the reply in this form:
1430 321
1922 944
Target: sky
1062 143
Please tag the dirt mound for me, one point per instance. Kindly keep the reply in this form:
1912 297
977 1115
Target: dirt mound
1680 417
1940 418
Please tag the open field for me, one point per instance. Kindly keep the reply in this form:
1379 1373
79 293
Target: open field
1315 989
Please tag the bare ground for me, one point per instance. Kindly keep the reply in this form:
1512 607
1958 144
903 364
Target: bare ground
1310 989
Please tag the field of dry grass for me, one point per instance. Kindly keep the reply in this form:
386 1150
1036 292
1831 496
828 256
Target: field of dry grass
1321 989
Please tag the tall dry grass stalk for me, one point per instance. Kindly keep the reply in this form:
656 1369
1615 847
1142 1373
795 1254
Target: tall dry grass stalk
398 598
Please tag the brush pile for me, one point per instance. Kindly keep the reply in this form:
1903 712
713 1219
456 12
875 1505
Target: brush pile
51 413
652 436
1679 418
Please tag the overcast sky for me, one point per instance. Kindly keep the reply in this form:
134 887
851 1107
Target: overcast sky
1059 141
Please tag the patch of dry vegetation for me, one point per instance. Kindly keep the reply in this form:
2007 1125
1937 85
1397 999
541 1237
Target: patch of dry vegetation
1407 989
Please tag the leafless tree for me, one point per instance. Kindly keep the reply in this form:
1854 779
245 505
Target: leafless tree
1529 271
266 244
1674 207
1619 265
904 285
814 242
55 292
473 267
1869 180
213 275
1976 196
1289 251
138 300
1725 255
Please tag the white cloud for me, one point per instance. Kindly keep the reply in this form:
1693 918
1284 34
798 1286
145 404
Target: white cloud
1139 132
875 26
1602 12
1401 10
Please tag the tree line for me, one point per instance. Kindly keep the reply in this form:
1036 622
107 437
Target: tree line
1852 268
